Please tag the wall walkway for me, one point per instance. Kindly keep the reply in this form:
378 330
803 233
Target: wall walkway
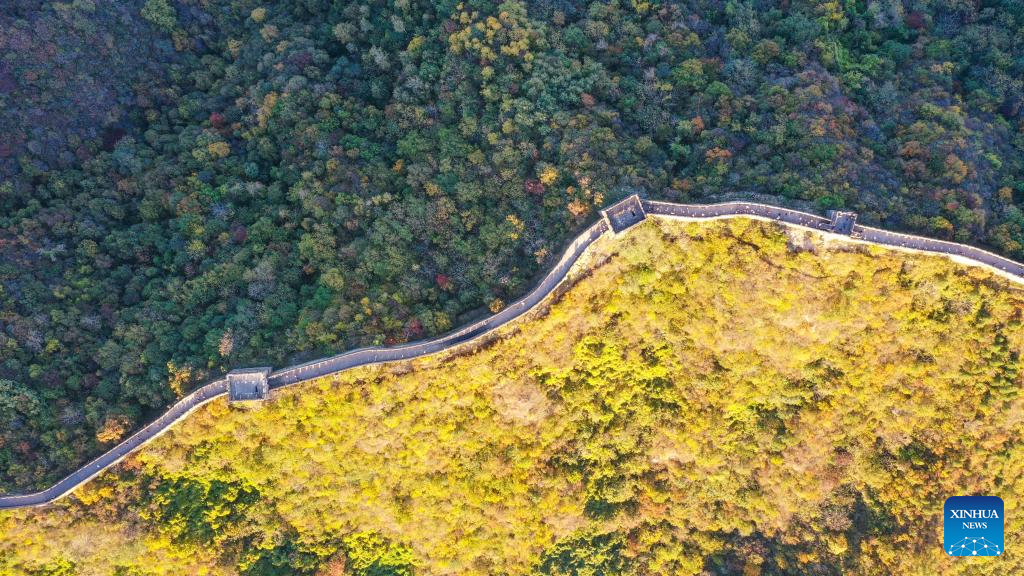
619 216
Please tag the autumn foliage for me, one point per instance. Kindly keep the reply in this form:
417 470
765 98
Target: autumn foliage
718 398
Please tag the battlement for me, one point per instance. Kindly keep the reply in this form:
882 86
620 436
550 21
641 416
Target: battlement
248 384
842 222
625 213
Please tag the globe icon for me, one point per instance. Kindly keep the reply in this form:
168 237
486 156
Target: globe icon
974 547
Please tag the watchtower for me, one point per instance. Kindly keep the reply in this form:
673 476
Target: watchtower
624 213
842 222
248 384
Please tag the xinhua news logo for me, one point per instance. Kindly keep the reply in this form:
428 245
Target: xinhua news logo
973 526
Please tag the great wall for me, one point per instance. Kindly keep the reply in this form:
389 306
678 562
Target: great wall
255 384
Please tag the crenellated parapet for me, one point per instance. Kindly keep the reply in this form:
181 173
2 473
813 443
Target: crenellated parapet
248 384
624 213
251 385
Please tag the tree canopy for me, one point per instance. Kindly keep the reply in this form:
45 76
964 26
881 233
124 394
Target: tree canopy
717 398
190 186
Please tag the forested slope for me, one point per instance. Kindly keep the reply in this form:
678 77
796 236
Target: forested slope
718 398
188 186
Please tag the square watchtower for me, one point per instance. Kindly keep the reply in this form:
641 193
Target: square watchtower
624 213
248 384
842 222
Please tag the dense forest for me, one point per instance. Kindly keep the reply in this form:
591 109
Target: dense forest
192 185
707 399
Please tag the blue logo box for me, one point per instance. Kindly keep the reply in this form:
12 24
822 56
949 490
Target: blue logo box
973 526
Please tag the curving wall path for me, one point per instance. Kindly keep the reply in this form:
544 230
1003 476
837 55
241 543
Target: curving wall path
363 356
867 234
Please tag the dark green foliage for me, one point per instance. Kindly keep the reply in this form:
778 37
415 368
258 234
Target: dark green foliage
286 559
369 554
586 555
199 510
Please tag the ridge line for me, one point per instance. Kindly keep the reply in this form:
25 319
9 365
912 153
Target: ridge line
305 371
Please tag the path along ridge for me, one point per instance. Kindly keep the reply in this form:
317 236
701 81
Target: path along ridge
375 355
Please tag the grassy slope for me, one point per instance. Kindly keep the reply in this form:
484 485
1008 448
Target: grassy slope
725 396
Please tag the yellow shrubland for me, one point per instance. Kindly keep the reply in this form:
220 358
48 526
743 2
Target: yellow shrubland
728 394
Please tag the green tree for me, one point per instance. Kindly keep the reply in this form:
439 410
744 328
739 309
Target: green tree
370 554
160 13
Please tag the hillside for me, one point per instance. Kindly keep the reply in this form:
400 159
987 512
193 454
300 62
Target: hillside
732 397
192 185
